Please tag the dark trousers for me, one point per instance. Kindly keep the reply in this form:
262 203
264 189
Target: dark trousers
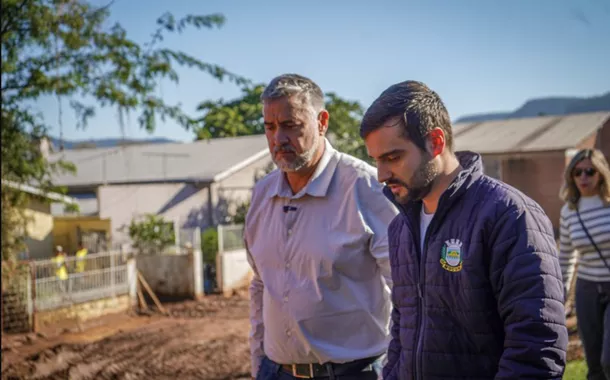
593 318
269 370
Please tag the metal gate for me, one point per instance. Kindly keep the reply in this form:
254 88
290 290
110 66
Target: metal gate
95 277
17 308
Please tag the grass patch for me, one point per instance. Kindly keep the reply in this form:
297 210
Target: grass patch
575 370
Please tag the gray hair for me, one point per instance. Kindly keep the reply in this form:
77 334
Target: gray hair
293 84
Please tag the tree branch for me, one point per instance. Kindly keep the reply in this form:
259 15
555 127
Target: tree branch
9 21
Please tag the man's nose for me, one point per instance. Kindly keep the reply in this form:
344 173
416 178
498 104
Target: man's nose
280 137
383 174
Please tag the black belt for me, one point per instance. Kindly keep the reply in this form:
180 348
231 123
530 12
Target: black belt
309 371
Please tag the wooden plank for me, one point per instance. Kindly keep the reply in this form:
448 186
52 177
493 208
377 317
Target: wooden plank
141 299
151 293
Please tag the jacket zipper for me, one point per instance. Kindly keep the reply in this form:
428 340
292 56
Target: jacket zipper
421 277
421 304
420 296
421 274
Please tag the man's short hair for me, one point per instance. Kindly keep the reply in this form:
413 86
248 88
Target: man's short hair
293 84
420 109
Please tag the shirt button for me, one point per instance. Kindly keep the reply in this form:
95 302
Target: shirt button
285 299
289 232
287 265
288 333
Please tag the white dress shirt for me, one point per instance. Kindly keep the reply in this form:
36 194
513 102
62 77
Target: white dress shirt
321 290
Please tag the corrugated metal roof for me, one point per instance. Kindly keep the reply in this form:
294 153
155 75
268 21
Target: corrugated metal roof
528 134
196 161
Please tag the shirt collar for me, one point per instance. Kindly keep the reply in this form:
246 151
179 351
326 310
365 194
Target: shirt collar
318 183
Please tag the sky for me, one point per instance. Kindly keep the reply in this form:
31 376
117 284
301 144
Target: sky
479 56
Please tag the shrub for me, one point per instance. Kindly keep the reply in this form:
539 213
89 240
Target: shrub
209 245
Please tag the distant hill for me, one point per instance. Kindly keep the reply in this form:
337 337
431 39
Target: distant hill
547 106
106 143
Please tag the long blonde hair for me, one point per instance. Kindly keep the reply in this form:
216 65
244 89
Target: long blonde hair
569 192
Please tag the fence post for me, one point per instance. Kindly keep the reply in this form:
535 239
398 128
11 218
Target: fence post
197 273
132 281
197 238
33 273
177 234
220 239
69 289
219 272
112 274
30 306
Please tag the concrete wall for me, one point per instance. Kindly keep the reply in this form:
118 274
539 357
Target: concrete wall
492 166
70 317
539 176
122 203
173 276
39 240
234 271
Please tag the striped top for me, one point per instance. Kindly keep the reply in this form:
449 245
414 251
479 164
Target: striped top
574 245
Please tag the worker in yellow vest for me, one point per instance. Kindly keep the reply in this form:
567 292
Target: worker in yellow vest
61 271
81 255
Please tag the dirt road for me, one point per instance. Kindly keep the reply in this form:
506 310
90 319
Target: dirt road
200 340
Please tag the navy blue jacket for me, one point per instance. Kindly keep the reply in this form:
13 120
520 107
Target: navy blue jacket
484 300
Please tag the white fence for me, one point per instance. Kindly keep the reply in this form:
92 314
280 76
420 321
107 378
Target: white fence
230 237
188 236
94 277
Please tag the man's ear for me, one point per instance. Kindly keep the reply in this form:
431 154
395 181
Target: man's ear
436 142
323 118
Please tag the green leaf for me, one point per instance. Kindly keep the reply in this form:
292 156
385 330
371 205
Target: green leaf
66 49
243 116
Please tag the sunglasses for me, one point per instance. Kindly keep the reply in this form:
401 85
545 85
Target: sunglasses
589 172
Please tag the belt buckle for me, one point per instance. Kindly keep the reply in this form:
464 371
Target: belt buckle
295 372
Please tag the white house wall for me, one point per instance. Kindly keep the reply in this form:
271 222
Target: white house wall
237 188
189 203
122 203
39 237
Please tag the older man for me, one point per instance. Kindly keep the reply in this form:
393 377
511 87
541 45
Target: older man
317 241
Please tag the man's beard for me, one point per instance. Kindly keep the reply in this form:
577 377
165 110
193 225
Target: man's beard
420 184
300 160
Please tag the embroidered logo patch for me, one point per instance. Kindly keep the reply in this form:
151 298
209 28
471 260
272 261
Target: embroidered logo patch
451 255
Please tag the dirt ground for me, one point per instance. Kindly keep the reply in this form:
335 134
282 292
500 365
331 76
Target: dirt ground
204 339
575 350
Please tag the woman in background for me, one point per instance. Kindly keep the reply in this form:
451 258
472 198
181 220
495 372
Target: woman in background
585 237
